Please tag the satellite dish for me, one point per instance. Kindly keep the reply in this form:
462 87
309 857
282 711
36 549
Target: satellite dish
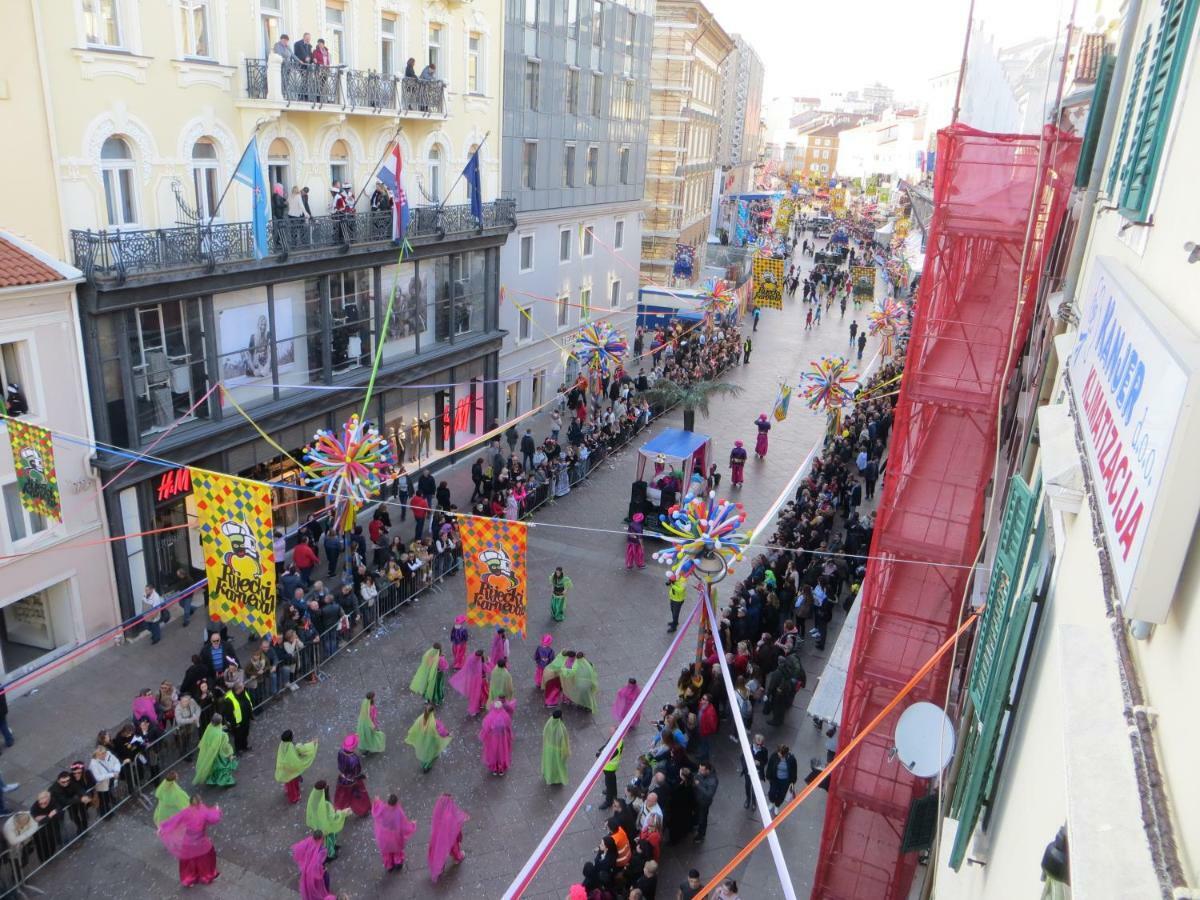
924 739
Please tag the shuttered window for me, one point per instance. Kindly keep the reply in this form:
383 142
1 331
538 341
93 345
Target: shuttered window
1131 99
1091 133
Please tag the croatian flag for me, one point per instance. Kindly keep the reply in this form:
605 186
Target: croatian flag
393 166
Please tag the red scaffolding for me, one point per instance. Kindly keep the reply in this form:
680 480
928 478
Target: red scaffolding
982 264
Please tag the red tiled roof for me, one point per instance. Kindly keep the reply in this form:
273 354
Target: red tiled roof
19 268
1091 49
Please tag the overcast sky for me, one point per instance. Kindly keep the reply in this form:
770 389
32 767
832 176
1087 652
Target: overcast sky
812 48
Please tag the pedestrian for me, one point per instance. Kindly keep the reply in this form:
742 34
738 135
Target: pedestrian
428 737
477 479
170 798
420 511
103 766
817 314
870 476
320 816
292 760
737 464
862 345
610 772
445 835
760 443
560 585
370 738
351 792
542 657
304 558
392 831
727 891
528 446
499 646
215 759
781 771
9 740
634 552
310 855
458 641
676 594
153 617
759 755
691 887
472 682
707 725
185 835
704 789
239 712
853 332
496 735
756 313
430 679
556 749
808 317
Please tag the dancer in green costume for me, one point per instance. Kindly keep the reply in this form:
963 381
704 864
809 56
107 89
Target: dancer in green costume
321 816
370 738
215 762
556 748
430 680
171 798
428 737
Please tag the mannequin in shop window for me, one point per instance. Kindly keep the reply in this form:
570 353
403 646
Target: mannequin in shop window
397 438
426 433
414 440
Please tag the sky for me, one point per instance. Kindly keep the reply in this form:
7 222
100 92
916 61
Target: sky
810 48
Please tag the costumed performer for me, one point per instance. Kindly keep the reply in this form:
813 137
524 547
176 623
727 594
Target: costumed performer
560 585
635 555
760 443
428 737
445 835
496 733
459 635
626 697
292 760
472 683
351 792
737 464
499 646
171 798
580 683
185 837
500 683
430 680
556 748
542 657
215 762
392 831
320 815
370 738
309 855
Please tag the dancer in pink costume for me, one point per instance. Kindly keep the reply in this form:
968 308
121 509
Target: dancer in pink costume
542 657
392 831
184 835
309 855
497 736
760 443
626 697
499 646
737 464
445 835
472 683
635 554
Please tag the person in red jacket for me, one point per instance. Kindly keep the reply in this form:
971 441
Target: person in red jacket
707 724
419 507
305 560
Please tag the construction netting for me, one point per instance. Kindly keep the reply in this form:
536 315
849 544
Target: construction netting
999 199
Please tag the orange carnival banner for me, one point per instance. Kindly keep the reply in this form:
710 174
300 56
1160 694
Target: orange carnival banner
494 560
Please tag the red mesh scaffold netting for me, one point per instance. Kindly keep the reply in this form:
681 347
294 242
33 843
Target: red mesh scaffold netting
978 266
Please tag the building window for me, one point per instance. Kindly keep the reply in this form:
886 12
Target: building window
618 234
116 165
614 294
512 400
593 165
531 13
564 245
588 236
435 46
571 15
435 173
598 23
573 91
102 22
12 373
474 67
168 358
279 163
524 332
339 164
195 28
585 303
532 76
338 43
597 91
623 164
529 166
526 260
22 523
270 23
564 310
537 388
569 165
204 177
387 45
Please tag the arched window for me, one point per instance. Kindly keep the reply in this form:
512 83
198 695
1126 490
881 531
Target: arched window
339 164
279 163
116 164
204 177
435 173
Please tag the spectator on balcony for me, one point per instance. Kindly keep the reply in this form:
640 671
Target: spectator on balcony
279 201
303 49
320 55
283 48
381 209
429 73
410 68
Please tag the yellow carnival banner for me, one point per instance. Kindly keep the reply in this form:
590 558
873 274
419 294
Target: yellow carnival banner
837 200
33 460
768 282
863 275
239 549
494 560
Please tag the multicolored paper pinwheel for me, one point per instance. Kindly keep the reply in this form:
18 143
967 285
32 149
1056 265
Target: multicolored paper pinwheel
718 298
828 386
703 528
600 347
888 322
348 467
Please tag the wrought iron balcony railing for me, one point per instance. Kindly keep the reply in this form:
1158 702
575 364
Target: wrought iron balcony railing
116 255
340 86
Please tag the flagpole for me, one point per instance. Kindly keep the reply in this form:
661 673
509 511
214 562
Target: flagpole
460 175
228 184
379 162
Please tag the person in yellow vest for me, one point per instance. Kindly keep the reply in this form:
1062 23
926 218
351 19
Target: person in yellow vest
610 771
239 712
676 594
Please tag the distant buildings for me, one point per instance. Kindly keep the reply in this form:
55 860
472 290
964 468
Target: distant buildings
887 147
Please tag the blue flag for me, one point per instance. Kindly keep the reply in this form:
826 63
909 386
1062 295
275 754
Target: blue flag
249 172
474 192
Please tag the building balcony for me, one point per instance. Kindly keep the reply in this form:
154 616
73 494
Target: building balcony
110 257
295 85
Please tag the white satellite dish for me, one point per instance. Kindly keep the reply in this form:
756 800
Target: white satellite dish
924 739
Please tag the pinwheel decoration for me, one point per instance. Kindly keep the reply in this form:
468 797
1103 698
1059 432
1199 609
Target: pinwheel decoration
600 348
348 467
829 386
702 530
718 299
887 322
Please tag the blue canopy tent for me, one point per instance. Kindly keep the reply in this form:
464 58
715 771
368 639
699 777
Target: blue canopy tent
671 450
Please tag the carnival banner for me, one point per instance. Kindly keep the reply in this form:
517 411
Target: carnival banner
781 402
864 277
494 560
768 282
33 459
837 200
238 539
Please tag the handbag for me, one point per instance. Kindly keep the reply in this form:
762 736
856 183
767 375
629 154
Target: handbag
166 614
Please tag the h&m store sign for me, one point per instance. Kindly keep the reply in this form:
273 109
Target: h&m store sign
1134 380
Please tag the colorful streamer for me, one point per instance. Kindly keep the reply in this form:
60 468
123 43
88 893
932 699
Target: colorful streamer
351 467
702 527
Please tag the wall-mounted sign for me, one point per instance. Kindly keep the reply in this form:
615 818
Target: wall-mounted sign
1134 379
172 483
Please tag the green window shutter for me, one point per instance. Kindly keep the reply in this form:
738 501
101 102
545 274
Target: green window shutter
1091 133
1131 98
1158 100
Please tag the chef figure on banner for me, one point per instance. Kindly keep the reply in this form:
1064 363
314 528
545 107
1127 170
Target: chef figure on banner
241 559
